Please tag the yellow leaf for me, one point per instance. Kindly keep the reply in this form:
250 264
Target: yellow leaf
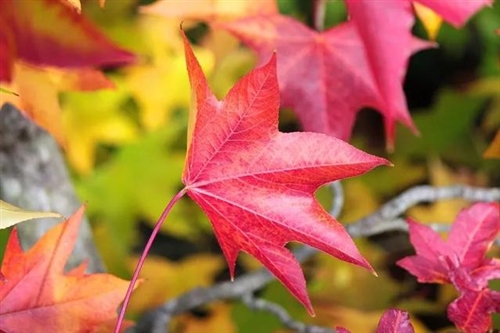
355 189
10 215
165 279
430 19
38 92
493 150
161 86
211 9
91 120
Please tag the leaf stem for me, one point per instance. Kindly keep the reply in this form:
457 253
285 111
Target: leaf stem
144 254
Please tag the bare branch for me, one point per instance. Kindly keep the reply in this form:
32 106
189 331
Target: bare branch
394 208
338 198
384 220
283 315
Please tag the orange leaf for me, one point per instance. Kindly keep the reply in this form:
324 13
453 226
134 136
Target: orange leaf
39 297
39 87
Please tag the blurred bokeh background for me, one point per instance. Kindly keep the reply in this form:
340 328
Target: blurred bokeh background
126 148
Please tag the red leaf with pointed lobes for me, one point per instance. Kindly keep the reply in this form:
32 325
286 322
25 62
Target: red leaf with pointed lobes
53 33
385 31
461 260
473 232
327 77
257 184
388 44
469 240
429 247
395 321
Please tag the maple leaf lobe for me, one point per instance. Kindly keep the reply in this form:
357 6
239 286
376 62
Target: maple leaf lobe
257 184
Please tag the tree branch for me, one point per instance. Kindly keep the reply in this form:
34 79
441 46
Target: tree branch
383 220
275 309
391 210
33 176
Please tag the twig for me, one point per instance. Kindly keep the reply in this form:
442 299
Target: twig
338 199
394 208
318 14
275 309
383 220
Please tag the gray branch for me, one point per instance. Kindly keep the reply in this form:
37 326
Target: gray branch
275 309
375 223
383 220
33 176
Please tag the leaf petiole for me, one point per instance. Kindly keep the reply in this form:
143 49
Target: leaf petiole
144 254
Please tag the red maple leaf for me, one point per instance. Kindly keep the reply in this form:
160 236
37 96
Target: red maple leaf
257 184
327 77
396 321
385 32
461 261
37 296
53 33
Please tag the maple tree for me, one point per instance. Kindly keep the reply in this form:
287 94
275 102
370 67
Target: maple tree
261 188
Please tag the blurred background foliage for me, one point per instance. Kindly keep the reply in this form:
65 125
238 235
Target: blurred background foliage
126 150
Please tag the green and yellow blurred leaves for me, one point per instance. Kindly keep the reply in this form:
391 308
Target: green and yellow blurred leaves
441 128
430 19
38 89
91 121
161 86
209 10
164 279
332 280
135 185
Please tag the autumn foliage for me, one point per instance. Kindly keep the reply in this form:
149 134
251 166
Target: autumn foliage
37 295
461 261
119 86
